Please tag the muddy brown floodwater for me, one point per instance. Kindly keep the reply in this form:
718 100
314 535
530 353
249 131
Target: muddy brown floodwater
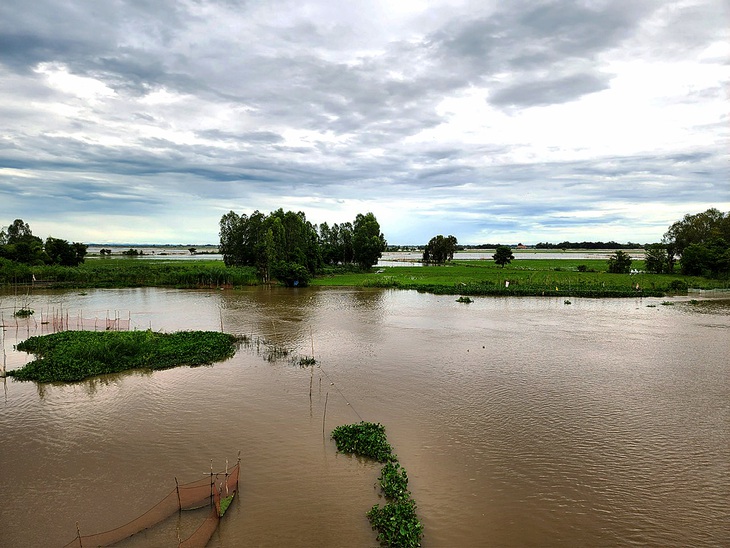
520 421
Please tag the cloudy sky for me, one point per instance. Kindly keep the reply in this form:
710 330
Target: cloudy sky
145 121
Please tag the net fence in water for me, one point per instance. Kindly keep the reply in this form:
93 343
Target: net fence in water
61 320
207 491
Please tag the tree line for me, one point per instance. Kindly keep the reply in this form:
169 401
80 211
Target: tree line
284 246
588 245
701 243
18 244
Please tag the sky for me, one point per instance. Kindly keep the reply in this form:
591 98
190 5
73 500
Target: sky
503 121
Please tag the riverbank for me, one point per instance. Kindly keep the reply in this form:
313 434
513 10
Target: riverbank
525 277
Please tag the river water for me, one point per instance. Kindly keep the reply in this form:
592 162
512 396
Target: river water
520 421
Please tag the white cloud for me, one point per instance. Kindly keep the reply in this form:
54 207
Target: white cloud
518 121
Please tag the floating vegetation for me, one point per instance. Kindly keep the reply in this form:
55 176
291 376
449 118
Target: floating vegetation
667 303
394 481
23 313
466 300
225 503
651 306
396 522
70 356
306 361
366 439
566 301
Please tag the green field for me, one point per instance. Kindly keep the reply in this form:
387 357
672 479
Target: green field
553 277
130 272
549 277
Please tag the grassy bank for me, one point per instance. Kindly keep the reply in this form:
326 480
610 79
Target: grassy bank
70 356
548 277
125 272
528 277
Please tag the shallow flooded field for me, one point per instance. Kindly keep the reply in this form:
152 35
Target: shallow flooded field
521 422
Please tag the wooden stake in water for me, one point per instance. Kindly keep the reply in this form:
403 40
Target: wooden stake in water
324 416
312 339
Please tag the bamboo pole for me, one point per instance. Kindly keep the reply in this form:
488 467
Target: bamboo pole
312 339
177 488
324 416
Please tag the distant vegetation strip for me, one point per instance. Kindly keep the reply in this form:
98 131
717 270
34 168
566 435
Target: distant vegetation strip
529 277
70 356
126 272
526 277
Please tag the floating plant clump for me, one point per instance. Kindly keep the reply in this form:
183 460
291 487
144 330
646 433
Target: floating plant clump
396 522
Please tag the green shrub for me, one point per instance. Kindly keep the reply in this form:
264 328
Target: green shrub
678 285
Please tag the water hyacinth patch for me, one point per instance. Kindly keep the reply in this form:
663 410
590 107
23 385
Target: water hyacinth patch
70 356
364 438
396 522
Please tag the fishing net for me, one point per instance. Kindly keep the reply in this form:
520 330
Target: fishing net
207 491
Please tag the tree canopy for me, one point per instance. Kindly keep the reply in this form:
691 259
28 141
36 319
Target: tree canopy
440 249
619 263
17 243
702 242
368 243
503 255
286 247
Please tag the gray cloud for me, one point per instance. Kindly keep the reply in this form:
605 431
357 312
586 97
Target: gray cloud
241 103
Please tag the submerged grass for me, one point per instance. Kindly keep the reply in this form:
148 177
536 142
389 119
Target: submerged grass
70 356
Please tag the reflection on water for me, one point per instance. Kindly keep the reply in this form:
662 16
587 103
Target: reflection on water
521 422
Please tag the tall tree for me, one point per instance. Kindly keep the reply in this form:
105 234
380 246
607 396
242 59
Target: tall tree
281 245
699 228
503 255
440 249
19 244
368 243
231 233
18 231
65 254
711 258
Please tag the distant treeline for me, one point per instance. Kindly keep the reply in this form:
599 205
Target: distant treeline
561 245
588 245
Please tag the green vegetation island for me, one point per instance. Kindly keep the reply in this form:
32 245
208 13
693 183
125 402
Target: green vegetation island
70 356
283 248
